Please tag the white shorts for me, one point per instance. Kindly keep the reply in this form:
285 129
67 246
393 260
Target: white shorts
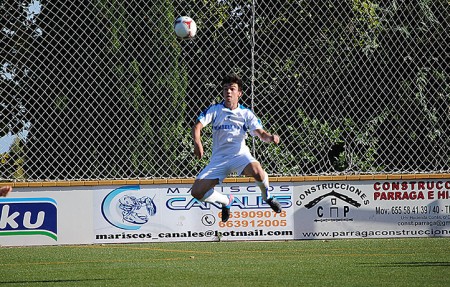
221 167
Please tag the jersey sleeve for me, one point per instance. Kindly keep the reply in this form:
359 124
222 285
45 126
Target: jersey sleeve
253 123
206 116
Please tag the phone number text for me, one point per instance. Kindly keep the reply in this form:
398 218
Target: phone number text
254 219
424 209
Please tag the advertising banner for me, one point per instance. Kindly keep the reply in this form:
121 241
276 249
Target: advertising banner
46 216
168 213
372 209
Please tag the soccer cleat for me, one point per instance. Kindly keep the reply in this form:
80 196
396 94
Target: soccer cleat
226 208
274 204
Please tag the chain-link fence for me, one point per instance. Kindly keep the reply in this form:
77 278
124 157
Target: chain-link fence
104 90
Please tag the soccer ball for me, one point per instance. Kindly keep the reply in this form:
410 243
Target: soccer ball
185 27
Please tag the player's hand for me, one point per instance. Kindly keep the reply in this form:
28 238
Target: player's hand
198 150
276 139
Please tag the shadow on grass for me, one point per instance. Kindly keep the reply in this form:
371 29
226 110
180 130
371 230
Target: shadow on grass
51 281
411 264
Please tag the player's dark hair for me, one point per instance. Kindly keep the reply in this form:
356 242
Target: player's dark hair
232 79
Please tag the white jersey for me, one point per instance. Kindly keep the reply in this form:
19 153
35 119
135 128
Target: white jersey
229 128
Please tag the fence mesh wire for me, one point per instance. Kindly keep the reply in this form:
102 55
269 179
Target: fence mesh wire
104 90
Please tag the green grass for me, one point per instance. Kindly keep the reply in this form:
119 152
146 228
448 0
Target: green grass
356 262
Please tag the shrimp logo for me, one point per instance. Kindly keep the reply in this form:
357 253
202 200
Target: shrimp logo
126 209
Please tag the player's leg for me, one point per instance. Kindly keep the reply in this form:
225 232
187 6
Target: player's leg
4 190
255 170
203 190
211 175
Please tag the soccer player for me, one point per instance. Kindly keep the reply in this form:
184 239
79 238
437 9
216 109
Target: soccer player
4 190
230 123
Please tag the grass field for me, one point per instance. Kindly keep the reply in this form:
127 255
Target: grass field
356 262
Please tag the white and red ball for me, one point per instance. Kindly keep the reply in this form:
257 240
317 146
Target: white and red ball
185 27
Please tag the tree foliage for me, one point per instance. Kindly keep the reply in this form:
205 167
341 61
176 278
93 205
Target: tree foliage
357 86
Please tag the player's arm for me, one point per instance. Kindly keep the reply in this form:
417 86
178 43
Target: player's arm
267 137
196 137
4 190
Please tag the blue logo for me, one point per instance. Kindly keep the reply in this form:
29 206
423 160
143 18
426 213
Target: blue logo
125 209
28 216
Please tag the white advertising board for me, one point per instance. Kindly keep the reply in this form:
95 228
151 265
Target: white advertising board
372 209
169 213
46 216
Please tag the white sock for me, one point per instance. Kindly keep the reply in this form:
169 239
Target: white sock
264 186
215 197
